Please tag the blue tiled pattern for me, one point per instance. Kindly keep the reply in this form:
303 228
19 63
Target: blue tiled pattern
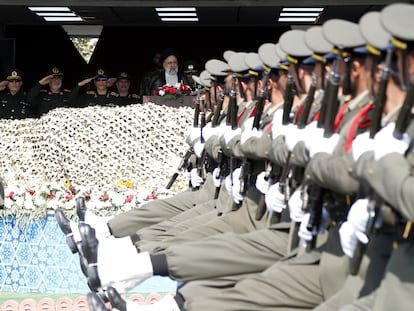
38 259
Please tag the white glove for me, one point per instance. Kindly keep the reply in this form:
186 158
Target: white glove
348 238
230 134
248 124
362 143
293 135
209 131
261 183
248 133
198 149
323 144
195 179
296 206
358 217
274 199
303 232
237 196
228 183
312 132
385 143
223 128
277 123
194 133
216 177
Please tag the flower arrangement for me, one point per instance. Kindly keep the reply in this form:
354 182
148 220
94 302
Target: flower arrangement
27 204
173 91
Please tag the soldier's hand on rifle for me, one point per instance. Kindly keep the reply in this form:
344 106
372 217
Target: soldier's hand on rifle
195 179
348 239
295 203
307 235
277 123
385 143
230 134
228 183
237 196
293 135
361 144
216 177
322 144
193 133
209 131
261 183
275 200
198 149
354 228
249 133
310 133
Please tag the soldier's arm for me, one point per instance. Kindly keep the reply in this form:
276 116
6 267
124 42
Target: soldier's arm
391 179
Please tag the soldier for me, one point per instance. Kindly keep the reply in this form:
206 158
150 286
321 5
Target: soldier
13 98
99 96
123 83
385 165
43 100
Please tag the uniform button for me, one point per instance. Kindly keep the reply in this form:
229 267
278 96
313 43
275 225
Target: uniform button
371 171
12 110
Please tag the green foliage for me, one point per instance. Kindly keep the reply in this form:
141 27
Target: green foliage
85 46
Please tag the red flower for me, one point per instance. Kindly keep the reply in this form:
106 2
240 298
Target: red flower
129 198
50 195
104 198
152 196
30 191
10 195
69 196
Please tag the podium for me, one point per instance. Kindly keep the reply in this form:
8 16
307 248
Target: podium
177 102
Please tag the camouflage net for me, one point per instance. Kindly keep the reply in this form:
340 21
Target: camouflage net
95 148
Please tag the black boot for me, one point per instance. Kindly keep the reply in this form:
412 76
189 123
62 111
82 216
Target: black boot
90 254
116 300
81 208
95 303
64 225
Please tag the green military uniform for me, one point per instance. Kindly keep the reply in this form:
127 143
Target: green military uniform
130 98
91 97
42 100
14 106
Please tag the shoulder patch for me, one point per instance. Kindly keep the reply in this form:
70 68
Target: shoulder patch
90 92
114 94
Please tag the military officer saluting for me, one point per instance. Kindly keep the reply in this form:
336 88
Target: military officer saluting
44 99
98 96
13 103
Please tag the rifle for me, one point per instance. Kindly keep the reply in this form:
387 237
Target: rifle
184 160
201 161
374 201
287 107
330 106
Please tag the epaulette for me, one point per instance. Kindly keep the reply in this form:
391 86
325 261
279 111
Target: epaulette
90 92
44 91
66 91
114 94
134 95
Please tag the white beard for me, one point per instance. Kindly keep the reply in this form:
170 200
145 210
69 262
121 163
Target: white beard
171 77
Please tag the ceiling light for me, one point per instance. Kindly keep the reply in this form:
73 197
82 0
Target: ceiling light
56 14
302 15
177 14
49 9
63 19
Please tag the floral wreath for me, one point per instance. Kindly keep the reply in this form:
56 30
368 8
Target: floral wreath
28 204
173 91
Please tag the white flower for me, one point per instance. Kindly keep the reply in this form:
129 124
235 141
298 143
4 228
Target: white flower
161 93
